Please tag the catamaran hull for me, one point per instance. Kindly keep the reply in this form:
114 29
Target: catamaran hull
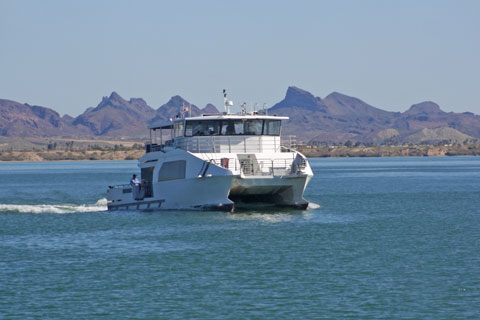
278 191
223 194
209 182
206 193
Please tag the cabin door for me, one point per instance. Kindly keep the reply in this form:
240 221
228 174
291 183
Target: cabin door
249 164
147 178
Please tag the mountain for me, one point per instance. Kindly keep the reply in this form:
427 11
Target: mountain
338 118
116 117
299 99
335 118
18 119
176 106
210 109
112 117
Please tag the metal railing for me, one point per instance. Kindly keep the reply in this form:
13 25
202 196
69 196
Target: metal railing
288 143
270 167
231 164
229 144
256 167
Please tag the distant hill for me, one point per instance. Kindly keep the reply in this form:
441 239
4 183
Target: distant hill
335 118
22 120
176 106
442 135
115 116
338 118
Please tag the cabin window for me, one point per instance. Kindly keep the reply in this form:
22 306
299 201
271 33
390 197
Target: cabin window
253 127
231 127
241 127
227 127
272 127
172 170
238 126
178 129
202 128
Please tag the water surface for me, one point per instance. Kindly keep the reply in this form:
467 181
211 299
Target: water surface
384 238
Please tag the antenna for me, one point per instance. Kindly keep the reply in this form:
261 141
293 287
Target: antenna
225 100
244 108
226 103
265 111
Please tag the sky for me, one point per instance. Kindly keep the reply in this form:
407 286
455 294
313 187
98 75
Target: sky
67 55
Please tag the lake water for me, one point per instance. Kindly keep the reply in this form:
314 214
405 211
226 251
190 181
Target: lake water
395 238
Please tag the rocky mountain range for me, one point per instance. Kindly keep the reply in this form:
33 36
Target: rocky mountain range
335 118
113 117
339 118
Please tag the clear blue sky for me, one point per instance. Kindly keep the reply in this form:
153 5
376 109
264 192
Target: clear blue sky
68 54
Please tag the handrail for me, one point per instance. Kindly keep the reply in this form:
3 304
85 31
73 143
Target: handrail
229 144
260 167
119 186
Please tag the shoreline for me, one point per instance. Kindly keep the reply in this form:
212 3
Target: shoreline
390 151
309 151
67 155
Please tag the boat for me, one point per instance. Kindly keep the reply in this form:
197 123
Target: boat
217 162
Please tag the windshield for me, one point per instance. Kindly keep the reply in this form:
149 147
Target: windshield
253 127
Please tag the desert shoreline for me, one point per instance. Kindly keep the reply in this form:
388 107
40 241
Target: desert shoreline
309 151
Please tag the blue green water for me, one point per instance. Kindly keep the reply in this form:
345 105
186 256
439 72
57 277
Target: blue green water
391 238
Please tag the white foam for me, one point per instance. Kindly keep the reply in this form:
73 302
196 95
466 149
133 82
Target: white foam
262 217
313 206
100 205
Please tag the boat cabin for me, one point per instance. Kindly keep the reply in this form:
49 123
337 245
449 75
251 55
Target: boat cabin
219 134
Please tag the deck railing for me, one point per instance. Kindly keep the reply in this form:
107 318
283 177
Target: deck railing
256 167
268 167
229 144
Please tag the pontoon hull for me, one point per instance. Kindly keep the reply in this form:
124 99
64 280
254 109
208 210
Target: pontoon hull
207 193
215 181
279 191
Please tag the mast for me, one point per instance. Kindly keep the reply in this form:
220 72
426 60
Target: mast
226 103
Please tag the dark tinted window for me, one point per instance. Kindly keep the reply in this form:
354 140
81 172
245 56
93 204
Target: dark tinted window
253 127
272 127
172 170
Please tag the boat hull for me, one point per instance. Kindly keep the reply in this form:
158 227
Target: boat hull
208 182
207 193
278 191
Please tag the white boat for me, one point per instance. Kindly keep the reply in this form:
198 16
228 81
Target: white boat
217 162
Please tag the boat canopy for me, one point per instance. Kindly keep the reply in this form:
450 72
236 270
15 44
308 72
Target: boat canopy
162 125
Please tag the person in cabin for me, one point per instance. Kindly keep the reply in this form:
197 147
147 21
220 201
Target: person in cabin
134 182
230 128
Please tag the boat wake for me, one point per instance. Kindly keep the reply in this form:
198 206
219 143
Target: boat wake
313 206
100 205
